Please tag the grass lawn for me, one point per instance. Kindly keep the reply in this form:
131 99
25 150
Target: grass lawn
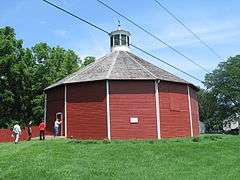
213 157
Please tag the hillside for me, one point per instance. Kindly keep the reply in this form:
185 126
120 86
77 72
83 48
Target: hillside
213 157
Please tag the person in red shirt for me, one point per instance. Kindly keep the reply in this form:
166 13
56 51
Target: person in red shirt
42 127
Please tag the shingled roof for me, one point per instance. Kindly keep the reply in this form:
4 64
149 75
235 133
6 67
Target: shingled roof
119 65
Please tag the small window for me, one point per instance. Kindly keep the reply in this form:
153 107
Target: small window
128 40
111 41
133 120
116 40
123 39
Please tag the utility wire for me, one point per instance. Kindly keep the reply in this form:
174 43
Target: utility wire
165 62
71 14
154 36
187 28
138 48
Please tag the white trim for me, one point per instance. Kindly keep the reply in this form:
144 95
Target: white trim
120 48
65 110
108 111
190 110
45 108
157 109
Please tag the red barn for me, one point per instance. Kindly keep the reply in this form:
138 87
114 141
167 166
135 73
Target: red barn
121 96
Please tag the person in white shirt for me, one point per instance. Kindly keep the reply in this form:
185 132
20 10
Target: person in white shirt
56 127
16 132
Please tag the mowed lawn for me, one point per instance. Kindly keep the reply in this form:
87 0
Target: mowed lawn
213 157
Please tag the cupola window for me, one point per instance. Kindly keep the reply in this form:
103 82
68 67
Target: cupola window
111 41
117 40
123 39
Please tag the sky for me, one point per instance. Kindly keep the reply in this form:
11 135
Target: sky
215 21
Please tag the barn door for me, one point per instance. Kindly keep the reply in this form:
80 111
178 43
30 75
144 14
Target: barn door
59 116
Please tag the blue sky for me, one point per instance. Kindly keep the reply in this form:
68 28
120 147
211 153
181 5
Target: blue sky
215 21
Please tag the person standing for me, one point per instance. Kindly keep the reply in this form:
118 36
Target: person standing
56 127
42 127
29 130
16 132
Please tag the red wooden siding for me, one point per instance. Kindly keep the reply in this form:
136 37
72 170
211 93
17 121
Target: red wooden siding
174 110
195 113
86 110
132 99
6 134
55 104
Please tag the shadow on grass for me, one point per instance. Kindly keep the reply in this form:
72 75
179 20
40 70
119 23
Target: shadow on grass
200 139
212 137
88 142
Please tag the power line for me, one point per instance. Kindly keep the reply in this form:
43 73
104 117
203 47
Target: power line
154 36
188 29
71 14
138 48
165 62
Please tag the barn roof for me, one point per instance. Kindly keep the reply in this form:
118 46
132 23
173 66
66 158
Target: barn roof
119 65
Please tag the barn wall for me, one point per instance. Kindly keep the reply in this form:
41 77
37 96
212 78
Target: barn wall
195 112
55 104
86 110
86 107
6 134
132 99
174 110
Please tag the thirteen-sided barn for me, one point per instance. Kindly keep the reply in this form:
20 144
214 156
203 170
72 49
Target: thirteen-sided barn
121 96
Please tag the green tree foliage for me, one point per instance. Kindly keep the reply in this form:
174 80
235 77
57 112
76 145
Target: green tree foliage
25 72
88 60
15 77
221 100
209 111
224 83
52 65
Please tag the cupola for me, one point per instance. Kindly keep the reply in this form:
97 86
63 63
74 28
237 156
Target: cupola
119 40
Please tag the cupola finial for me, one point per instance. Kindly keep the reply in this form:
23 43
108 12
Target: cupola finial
119 25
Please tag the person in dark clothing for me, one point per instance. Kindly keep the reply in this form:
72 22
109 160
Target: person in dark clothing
29 130
42 127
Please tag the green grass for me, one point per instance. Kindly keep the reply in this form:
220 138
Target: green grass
208 157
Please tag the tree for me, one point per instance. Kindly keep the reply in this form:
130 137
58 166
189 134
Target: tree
88 60
53 64
223 89
25 72
16 72
209 111
224 83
